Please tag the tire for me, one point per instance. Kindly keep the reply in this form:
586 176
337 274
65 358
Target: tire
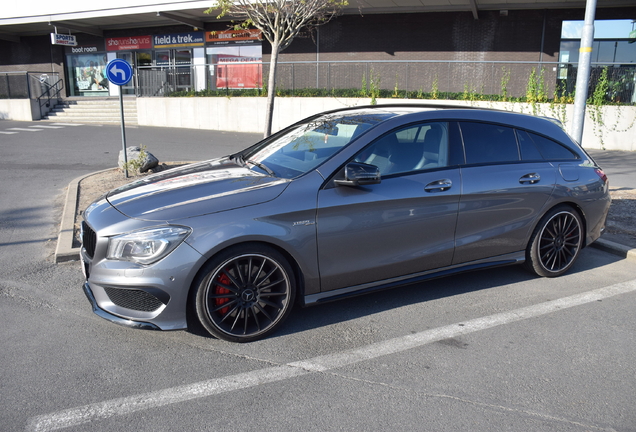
245 293
555 243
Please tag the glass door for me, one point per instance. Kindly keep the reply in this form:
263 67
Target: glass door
140 61
183 69
176 66
129 87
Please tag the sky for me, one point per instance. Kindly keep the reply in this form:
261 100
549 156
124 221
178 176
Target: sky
604 29
25 8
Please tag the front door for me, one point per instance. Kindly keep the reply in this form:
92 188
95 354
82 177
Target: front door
401 226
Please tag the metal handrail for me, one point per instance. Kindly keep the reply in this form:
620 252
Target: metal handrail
48 93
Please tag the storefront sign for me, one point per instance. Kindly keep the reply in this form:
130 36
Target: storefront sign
63 39
179 40
129 43
233 36
84 50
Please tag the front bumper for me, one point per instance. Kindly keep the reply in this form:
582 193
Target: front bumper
114 318
137 296
140 296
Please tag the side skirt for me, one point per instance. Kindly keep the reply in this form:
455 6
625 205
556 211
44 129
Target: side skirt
499 261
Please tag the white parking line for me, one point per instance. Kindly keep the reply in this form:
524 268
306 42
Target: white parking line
48 127
68 124
7 133
141 402
24 129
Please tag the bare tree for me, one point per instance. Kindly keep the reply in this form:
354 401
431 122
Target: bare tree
280 21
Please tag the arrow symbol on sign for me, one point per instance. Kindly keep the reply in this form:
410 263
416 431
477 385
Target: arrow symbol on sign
116 71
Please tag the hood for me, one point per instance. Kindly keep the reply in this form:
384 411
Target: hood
194 190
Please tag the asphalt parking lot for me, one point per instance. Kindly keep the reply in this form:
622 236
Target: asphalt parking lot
490 350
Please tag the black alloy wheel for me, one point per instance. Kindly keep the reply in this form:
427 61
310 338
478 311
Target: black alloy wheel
247 292
555 243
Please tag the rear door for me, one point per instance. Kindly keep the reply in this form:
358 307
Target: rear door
504 189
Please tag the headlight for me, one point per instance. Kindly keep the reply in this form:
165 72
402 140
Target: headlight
146 246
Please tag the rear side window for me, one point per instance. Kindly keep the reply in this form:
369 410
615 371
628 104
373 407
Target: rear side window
550 150
529 150
489 143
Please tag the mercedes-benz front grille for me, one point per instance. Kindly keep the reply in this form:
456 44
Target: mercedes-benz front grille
89 239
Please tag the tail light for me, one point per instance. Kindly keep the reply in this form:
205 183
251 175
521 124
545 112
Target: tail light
601 174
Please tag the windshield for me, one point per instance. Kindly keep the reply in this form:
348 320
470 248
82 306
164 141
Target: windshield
302 148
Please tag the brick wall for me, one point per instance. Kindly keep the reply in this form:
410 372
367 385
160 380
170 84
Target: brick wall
519 35
447 36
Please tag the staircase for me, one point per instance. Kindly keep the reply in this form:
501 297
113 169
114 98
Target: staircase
94 110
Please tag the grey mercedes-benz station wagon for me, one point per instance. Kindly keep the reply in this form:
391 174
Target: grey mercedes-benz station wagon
339 204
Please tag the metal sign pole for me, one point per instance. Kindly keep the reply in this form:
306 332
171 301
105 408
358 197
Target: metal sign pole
119 72
123 130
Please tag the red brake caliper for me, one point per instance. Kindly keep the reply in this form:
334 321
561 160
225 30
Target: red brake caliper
225 280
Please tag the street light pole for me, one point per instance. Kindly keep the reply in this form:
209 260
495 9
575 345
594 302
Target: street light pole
583 73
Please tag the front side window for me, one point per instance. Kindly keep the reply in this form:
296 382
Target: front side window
414 148
489 143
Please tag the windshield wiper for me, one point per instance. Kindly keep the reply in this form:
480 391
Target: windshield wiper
262 166
239 157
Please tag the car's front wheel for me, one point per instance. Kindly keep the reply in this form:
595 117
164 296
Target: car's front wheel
244 293
555 243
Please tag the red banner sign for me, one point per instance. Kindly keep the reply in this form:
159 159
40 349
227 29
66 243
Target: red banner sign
231 73
128 43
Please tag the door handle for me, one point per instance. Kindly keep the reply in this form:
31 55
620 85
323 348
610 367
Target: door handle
530 178
439 186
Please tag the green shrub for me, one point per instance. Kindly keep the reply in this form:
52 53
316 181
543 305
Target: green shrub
535 93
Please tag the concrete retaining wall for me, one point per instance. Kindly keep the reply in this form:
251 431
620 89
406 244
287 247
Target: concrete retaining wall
246 114
19 109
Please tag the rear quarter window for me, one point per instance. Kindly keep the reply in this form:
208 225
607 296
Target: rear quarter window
549 149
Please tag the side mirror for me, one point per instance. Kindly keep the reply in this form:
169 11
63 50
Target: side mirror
359 174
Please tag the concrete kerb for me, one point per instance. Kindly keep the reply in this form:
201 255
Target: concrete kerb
615 248
65 251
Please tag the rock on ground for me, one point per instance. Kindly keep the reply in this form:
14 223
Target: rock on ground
148 162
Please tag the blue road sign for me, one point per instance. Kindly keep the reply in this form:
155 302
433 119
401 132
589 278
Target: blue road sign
119 71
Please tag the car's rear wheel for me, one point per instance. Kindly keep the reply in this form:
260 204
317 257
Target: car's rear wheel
245 293
555 243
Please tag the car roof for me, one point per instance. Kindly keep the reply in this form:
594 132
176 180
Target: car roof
408 112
